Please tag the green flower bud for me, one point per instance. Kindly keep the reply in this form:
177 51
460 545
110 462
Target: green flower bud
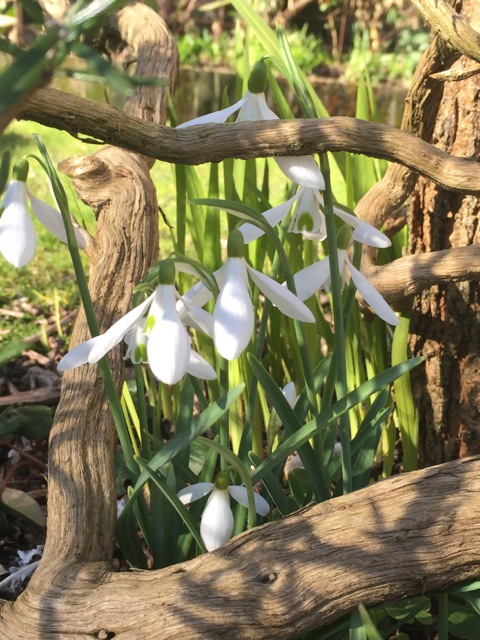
222 481
20 171
257 82
236 244
343 236
166 272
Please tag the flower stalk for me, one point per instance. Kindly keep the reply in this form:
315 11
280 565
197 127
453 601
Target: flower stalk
339 349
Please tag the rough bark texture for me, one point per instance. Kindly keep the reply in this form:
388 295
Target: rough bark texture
411 534
446 318
421 106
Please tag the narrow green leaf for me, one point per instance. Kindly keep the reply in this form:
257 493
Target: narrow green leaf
204 421
174 500
331 413
127 537
273 486
4 170
405 406
184 418
292 427
370 628
26 72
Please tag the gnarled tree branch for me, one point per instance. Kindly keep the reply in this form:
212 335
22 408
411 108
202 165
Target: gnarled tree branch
453 27
411 534
213 143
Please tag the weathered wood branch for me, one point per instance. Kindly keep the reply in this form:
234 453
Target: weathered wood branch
117 185
409 535
411 275
421 108
453 27
213 143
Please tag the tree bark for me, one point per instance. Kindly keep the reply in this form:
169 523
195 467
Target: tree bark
408 535
446 318
245 140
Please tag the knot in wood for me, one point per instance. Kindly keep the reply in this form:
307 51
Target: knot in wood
268 578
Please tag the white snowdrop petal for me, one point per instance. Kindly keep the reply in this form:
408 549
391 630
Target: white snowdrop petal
200 368
17 234
16 192
285 300
266 112
52 219
290 394
249 111
168 348
216 117
363 232
136 340
302 170
371 295
233 314
117 331
196 317
309 203
312 278
216 525
198 295
273 216
195 492
49 217
240 494
79 355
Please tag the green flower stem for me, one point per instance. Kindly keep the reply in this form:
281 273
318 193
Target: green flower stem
110 389
224 433
231 459
142 412
350 296
299 328
339 351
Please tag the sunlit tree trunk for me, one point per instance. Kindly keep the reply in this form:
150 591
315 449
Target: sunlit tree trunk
446 319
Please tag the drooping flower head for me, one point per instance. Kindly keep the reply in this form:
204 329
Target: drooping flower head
17 233
309 220
216 525
303 170
154 334
317 276
233 316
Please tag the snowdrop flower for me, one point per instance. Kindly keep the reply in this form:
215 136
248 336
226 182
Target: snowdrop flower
233 315
154 334
17 233
250 108
216 524
302 170
309 220
317 276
